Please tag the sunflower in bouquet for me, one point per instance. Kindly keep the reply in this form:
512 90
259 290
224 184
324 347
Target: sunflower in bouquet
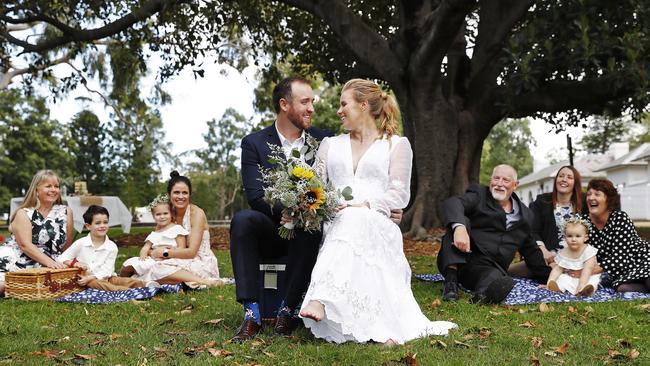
301 191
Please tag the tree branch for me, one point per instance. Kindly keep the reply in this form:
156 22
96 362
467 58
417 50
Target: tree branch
496 21
6 78
367 45
106 100
71 34
590 95
445 22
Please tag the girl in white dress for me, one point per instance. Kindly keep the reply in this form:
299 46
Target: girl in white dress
360 287
576 255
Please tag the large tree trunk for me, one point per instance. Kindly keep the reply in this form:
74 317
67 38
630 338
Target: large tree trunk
435 141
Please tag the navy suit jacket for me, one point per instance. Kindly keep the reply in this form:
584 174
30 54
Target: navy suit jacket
254 153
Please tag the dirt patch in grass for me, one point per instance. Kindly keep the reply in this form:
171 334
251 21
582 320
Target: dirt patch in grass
220 239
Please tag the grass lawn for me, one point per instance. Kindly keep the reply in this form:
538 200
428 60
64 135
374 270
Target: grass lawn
194 329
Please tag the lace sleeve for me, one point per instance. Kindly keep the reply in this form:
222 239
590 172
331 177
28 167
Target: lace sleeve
320 163
399 178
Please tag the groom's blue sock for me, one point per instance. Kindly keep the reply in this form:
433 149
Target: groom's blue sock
284 310
252 311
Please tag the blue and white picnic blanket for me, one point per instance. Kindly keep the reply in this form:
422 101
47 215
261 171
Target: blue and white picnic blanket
93 296
527 292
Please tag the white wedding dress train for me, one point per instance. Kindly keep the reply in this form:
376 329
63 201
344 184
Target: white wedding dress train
362 276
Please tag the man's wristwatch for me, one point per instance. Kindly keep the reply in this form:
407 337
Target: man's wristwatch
166 253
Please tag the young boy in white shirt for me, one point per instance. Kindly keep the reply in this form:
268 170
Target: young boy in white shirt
95 254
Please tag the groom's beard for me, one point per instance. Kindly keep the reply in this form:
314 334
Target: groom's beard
297 120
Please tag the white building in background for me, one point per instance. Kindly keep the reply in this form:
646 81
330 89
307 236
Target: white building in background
631 175
628 170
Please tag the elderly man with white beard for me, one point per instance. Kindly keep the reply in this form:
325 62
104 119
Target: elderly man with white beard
486 226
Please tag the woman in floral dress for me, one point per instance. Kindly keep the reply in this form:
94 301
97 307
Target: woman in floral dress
41 228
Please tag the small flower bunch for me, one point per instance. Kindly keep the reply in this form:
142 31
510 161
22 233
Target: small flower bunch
161 199
303 194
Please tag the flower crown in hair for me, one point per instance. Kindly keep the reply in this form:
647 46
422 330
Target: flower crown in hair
577 220
161 199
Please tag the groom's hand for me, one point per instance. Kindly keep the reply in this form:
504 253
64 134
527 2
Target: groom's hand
396 215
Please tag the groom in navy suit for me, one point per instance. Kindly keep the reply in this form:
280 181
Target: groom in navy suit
254 232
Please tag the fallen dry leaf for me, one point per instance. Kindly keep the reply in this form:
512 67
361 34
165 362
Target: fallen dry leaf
184 312
562 349
409 359
461 344
645 307
439 343
115 336
527 324
484 333
49 353
268 354
436 303
537 341
534 361
213 321
571 309
550 354
633 354
218 352
80 356
209 344
614 354
160 349
544 308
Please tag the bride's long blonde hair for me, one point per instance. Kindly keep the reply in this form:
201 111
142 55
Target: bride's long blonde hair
382 106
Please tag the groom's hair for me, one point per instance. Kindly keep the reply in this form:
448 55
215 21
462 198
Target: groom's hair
283 90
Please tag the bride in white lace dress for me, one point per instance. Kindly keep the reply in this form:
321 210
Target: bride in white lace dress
360 287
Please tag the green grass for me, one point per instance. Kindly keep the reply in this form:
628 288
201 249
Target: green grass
172 329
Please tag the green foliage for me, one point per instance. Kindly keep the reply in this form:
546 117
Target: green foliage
216 180
643 134
604 131
90 139
29 141
508 143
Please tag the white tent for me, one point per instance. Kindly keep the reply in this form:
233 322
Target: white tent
118 213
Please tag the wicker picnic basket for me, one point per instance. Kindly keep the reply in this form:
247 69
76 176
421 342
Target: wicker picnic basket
41 283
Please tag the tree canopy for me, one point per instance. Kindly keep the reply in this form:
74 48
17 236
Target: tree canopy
457 67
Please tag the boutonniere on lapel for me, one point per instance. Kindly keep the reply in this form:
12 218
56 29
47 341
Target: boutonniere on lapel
306 197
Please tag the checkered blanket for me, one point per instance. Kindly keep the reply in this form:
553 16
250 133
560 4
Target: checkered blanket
527 292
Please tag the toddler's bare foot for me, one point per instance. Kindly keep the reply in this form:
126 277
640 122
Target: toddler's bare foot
588 290
314 311
552 285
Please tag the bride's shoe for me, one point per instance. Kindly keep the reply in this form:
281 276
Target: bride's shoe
314 311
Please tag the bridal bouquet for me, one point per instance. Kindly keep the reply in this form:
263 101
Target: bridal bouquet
299 189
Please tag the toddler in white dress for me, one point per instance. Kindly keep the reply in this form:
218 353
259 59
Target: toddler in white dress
576 255
167 235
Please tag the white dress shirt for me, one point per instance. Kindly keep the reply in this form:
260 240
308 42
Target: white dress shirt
100 260
287 145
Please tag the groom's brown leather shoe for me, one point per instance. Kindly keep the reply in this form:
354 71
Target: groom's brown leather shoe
285 325
248 330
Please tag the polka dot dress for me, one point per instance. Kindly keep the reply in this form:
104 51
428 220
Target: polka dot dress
621 251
